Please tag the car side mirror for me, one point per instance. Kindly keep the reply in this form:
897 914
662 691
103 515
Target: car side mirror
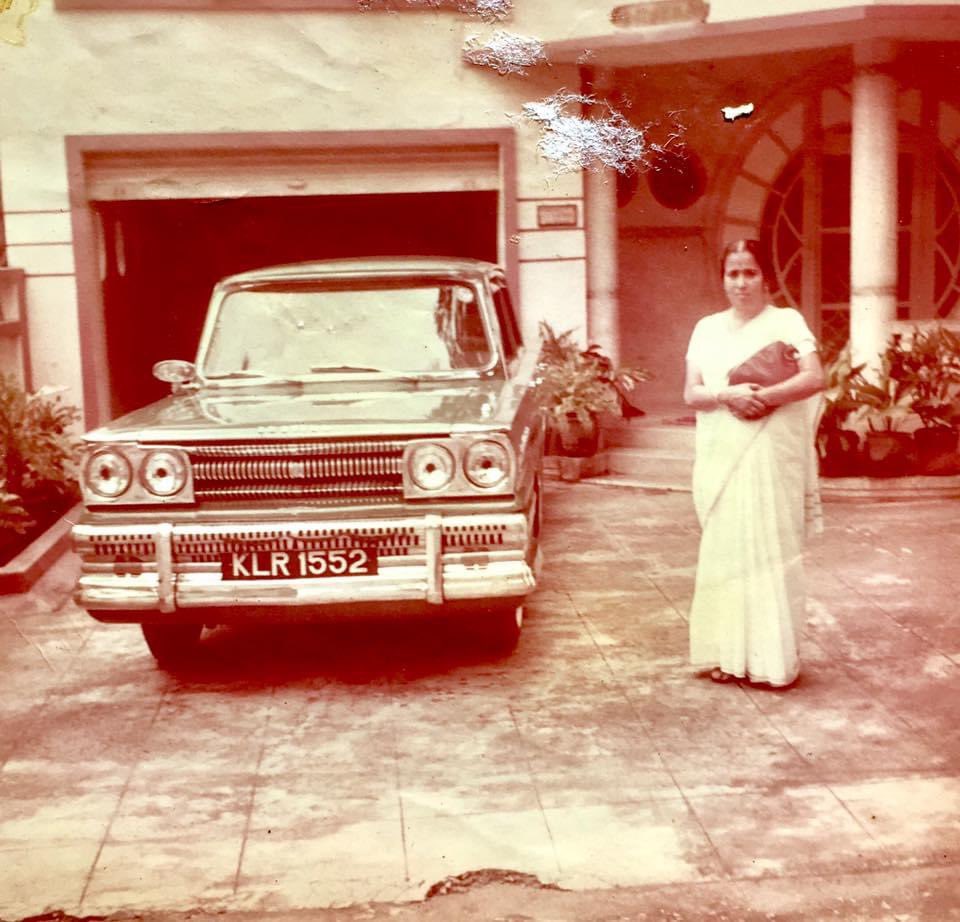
176 372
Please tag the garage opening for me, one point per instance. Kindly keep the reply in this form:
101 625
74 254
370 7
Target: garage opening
162 257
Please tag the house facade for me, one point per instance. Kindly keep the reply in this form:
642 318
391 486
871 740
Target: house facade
151 147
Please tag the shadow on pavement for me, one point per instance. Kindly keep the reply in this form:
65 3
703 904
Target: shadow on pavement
348 653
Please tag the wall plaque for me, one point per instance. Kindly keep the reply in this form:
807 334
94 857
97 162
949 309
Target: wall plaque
557 215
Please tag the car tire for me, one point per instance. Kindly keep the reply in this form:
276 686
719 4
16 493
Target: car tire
172 645
503 627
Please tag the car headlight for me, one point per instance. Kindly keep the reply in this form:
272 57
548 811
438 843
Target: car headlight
486 464
107 473
163 473
431 466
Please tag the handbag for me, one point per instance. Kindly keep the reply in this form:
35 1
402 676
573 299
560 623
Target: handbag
771 365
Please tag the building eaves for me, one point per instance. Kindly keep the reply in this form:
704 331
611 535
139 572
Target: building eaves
702 41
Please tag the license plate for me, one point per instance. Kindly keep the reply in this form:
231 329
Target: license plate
353 561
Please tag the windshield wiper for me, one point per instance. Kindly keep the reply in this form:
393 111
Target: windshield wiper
319 369
235 374
260 376
407 377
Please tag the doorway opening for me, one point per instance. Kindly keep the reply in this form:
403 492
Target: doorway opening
161 259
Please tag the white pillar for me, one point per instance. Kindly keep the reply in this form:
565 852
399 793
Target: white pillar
603 303
873 206
600 224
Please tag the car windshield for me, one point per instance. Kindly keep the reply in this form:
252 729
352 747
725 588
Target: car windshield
295 329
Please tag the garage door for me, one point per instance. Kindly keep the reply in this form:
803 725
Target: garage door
460 179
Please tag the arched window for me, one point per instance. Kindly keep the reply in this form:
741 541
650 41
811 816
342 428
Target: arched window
928 238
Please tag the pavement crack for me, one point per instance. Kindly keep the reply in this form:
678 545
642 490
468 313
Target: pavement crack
33 644
250 802
116 809
461 883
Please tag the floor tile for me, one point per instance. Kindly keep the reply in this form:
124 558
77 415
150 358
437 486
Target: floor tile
787 832
55 818
319 889
192 871
158 806
635 844
917 819
455 790
328 750
663 638
603 779
851 629
743 765
36 779
444 846
853 735
325 868
39 877
300 804
88 732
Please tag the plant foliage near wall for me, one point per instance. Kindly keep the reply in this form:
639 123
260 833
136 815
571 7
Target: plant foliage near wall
902 418
38 457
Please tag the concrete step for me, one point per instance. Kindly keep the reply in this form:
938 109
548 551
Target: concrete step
656 467
653 435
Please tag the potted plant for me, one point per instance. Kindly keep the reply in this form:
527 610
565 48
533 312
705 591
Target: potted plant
577 386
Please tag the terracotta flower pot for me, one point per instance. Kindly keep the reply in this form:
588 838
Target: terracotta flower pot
579 441
888 453
933 443
840 453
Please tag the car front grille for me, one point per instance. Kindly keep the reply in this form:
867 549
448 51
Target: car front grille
338 472
207 543
199 543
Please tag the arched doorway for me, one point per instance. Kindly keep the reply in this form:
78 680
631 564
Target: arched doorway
928 239
791 188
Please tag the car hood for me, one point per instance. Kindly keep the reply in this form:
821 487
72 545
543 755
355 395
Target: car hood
256 412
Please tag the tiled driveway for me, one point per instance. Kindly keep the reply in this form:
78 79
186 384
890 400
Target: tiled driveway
345 763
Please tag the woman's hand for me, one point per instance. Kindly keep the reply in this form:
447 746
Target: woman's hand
743 401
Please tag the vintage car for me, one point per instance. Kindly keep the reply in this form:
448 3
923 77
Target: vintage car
355 436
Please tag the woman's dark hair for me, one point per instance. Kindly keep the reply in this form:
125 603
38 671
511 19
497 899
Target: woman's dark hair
758 252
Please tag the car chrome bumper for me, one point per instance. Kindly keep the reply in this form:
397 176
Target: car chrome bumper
429 571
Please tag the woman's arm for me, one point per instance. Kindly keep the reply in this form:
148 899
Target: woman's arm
808 381
740 399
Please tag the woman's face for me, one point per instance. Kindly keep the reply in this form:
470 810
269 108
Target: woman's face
743 282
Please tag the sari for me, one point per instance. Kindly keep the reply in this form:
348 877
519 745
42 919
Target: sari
754 491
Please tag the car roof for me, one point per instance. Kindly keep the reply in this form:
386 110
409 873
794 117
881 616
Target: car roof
379 265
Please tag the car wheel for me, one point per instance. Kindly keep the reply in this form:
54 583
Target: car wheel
172 644
503 627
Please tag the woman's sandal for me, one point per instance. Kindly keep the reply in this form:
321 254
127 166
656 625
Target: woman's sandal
718 675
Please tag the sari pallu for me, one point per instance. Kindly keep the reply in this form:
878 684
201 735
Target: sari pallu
754 493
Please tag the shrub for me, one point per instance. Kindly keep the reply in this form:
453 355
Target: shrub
38 453
928 363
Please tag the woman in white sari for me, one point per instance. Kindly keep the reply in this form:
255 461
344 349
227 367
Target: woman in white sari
754 481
